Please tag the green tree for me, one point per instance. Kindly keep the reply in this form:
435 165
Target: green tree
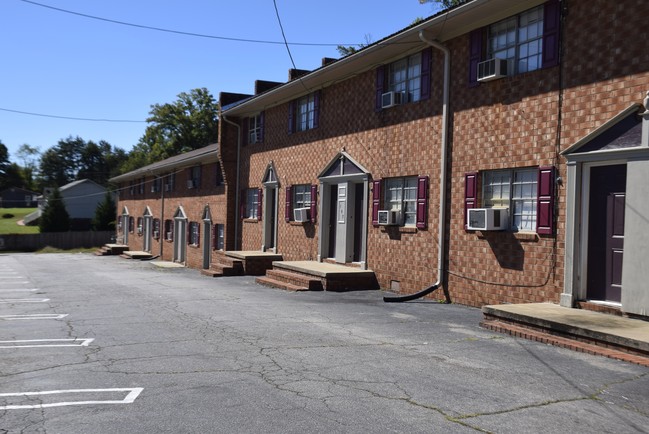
444 3
189 123
4 165
104 219
29 156
55 217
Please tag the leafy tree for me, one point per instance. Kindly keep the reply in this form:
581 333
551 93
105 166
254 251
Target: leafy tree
351 49
444 3
104 219
4 165
29 156
189 123
55 217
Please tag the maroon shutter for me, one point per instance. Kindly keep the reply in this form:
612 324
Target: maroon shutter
316 109
422 202
291 117
551 33
314 201
197 226
288 206
259 203
214 236
189 233
475 55
261 127
545 201
380 81
426 65
376 201
246 131
470 193
171 229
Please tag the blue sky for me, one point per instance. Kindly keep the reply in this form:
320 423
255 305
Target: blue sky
62 64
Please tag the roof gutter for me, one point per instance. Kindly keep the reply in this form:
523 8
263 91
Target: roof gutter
442 178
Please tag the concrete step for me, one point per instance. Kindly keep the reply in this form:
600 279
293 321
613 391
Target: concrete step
211 273
273 283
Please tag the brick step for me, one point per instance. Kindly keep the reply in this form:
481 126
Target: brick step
564 342
301 280
228 269
212 273
273 283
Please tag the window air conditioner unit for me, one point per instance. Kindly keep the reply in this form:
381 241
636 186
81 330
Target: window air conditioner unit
492 69
389 218
487 219
301 214
191 183
156 234
390 99
169 235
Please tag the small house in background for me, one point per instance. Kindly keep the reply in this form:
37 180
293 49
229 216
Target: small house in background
81 199
15 197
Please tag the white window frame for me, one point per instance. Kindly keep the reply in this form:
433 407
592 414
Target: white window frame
401 195
519 40
194 233
252 203
515 189
220 236
301 196
404 76
254 129
305 113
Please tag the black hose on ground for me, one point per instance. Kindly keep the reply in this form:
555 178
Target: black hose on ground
151 258
409 297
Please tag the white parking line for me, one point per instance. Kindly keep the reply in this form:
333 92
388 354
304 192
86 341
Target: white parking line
23 300
133 392
34 316
32 343
13 283
13 277
18 289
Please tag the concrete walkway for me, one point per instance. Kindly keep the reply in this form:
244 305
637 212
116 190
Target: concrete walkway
610 333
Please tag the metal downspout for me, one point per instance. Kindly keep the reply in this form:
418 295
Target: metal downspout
236 191
442 178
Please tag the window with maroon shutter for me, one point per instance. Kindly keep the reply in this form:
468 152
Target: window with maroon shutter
259 203
551 33
376 201
288 206
380 83
545 201
470 193
314 202
131 224
214 239
422 202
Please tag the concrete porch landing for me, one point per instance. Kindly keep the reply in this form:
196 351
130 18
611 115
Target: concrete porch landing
581 330
317 276
134 254
239 262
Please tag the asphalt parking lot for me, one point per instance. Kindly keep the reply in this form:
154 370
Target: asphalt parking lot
106 345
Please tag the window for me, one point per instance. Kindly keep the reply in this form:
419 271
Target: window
169 230
251 209
401 195
304 113
139 225
518 39
131 224
514 189
404 76
194 180
169 182
131 188
156 229
302 196
155 184
219 237
219 175
140 185
256 128
194 234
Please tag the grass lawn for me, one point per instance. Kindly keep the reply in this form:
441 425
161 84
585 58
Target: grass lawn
10 225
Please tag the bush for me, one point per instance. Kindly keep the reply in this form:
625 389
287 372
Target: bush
7 216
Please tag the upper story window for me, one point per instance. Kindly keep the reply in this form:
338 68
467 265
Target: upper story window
404 76
255 128
408 78
218 175
155 184
304 113
519 40
169 182
194 180
527 42
140 185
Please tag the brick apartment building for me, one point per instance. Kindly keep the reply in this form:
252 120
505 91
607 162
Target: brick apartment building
521 118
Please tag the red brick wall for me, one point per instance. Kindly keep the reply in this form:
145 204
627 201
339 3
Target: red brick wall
193 202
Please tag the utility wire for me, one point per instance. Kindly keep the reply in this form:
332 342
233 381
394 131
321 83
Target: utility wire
179 32
281 27
70 117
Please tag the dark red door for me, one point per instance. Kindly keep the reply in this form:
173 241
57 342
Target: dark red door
606 232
